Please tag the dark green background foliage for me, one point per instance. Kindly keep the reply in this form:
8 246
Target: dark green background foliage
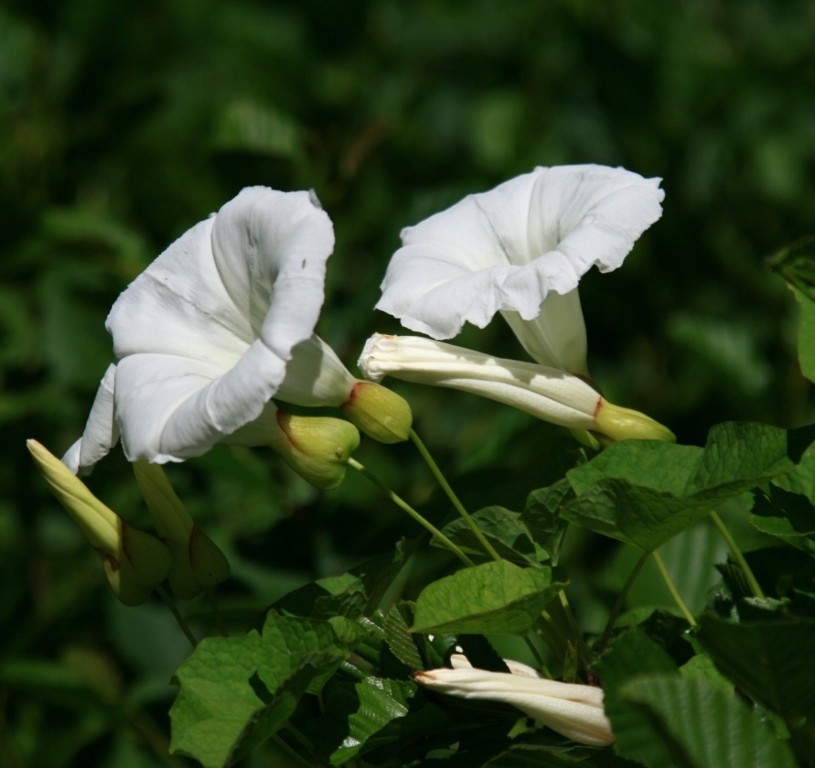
124 123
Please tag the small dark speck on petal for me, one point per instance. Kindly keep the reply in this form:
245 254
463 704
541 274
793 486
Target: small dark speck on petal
303 265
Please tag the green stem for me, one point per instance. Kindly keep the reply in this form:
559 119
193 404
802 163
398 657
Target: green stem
666 577
403 505
620 601
582 648
538 658
548 631
737 554
216 612
168 601
442 481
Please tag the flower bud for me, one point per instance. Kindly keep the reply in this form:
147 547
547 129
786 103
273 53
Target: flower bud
618 423
316 447
135 563
575 711
198 564
379 412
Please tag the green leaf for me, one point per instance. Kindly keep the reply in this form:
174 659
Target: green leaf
646 492
399 639
288 641
783 514
496 598
542 519
632 655
702 725
236 692
216 700
351 594
376 703
771 661
502 528
701 666
796 263
806 332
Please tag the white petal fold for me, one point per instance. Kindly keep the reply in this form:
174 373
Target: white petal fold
204 335
101 431
546 393
507 249
575 711
315 376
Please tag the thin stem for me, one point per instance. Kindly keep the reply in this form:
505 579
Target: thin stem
538 658
582 648
548 631
403 505
672 588
737 554
168 601
620 601
216 612
442 481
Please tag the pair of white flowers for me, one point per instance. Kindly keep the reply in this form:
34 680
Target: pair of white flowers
223 321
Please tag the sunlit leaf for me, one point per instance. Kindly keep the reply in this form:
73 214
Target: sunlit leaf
491 598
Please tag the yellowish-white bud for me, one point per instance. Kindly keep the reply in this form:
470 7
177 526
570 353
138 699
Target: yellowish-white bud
316 447
379 412
198 564
618 423
135 563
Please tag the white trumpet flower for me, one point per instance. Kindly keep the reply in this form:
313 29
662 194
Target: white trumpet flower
521 249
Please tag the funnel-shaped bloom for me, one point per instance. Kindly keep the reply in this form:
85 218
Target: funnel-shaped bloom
135 563
575 711
521 249
215 327
547 393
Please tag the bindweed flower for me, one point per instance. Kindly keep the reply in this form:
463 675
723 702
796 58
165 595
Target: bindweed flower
216 326
198 564
575 711
521 249
547 393
135 563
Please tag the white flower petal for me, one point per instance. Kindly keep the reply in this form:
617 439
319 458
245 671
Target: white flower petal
546 393
315 376
204 334
101 431
509 248
557 336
